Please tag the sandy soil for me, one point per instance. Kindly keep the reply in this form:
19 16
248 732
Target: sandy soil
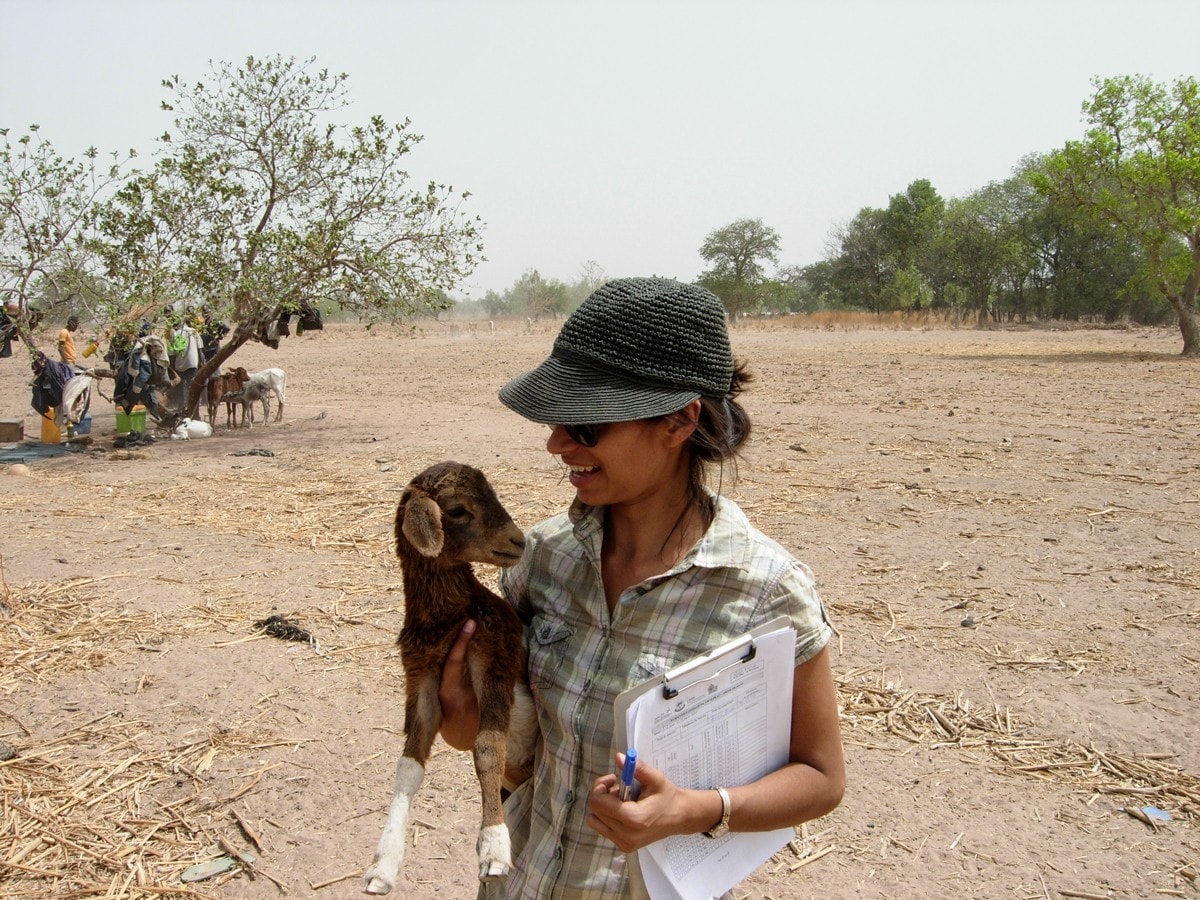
1003 524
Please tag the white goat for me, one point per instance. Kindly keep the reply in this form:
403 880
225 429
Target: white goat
259 386
191 428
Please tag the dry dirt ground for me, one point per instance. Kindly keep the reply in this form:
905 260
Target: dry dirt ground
1004 526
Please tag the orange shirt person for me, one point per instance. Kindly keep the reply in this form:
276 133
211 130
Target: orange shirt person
66 343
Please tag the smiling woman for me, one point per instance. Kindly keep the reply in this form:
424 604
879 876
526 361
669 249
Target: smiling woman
648 567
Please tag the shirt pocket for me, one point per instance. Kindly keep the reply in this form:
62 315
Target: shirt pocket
648 665
549 646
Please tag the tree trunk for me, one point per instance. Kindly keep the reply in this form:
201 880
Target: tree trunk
1188 326
241 335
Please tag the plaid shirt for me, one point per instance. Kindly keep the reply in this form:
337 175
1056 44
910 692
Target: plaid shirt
580 659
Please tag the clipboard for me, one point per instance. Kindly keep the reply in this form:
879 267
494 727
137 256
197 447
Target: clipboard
704 667
689 867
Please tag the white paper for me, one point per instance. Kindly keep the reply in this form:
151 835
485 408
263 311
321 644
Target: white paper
730 724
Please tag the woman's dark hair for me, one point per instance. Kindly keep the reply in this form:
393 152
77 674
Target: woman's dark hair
721 430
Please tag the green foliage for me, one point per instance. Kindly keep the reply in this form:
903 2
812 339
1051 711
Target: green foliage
737 253
534 297
260 201
47 213
1137 169
910 225
814 287
861 268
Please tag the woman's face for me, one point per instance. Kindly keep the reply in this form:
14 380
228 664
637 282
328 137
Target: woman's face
630 463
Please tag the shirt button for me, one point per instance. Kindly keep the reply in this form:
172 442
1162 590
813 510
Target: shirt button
558 852
570 796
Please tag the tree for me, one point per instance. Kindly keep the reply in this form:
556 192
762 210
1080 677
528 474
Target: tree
737 253
536 297
813 287
861 268
259 204
591 277
978 245
910 226
1138 169
911 222
47 212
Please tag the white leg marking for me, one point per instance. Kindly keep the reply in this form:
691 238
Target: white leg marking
495 852
389 855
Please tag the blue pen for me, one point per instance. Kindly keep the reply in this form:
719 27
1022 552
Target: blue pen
627 774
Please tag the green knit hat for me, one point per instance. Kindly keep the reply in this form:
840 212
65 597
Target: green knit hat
635 349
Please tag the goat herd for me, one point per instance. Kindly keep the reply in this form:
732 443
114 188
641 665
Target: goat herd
237 387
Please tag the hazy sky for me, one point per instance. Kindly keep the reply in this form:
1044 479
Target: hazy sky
625 132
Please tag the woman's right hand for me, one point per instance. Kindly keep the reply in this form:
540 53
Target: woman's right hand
460 708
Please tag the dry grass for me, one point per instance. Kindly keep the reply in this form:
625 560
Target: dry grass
107 805
103 808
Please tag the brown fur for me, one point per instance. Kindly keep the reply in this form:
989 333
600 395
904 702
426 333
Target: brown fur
229 382
447 518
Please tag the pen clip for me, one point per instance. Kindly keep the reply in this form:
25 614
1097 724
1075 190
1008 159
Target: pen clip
669 692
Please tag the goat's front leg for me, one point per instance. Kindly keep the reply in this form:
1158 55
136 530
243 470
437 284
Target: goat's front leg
495 702
422 718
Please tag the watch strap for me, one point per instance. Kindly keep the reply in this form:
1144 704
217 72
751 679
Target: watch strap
721 827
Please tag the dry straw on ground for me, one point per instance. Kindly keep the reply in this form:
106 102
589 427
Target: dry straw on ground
973 526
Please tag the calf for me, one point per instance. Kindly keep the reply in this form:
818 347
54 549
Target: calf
259 386
219 387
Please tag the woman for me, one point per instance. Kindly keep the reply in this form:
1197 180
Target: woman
646 569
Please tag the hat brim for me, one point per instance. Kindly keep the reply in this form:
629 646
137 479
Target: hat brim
562 392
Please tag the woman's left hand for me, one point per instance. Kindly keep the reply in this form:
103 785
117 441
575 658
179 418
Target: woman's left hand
661 808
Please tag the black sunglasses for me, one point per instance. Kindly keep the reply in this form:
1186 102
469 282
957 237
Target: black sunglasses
583 435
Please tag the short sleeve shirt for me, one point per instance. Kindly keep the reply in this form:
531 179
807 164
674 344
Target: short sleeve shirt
581 659
66 347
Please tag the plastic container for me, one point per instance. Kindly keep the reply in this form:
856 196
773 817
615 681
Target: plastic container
51 434
134 421
90 349
84 425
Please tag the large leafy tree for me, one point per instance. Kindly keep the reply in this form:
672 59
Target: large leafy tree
47 213
737 253
910 225
862 265
979 246
1138 168
261 202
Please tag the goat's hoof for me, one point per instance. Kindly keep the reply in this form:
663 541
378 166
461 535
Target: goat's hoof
494 870
376 884
495 852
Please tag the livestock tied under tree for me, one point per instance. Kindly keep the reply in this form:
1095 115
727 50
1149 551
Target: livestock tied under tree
1138 169
259 204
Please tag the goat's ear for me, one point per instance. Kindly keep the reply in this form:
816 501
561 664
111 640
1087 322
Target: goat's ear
423 525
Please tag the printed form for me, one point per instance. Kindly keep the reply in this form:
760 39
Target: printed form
726 722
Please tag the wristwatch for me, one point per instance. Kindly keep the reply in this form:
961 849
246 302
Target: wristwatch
722 827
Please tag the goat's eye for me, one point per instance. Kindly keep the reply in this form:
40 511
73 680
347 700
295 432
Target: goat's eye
457 512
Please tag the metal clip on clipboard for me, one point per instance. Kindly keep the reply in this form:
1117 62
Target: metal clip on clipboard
669 692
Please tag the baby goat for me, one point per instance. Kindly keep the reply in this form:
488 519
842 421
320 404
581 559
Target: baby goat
218 388
448 518
258 387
